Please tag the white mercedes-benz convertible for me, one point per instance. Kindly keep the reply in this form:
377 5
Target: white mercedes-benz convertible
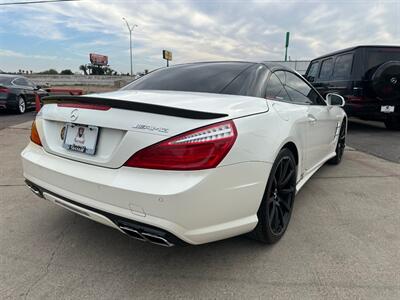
187 154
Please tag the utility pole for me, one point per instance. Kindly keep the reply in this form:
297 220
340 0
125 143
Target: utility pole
130 28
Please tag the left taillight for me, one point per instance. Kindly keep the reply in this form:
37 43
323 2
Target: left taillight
199 149
4 90
35 135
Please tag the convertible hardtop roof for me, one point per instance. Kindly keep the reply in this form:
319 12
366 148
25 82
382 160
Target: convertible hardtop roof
353 48
269 64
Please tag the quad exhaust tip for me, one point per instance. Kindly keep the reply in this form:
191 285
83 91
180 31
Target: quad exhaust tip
146 237
35 190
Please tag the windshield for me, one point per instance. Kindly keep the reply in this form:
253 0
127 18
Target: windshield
202 77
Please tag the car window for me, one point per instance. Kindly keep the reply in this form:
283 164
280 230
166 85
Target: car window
313 71
326 69
20 81
275 89
31 84
198 77
377 57
250 82
343 65
297 89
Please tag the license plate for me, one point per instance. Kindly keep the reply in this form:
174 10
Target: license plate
81 138
387 108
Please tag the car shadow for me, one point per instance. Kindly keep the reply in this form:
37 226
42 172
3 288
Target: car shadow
356 125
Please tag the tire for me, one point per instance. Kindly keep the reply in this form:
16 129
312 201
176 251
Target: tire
393 123
277 203
21 105
340 146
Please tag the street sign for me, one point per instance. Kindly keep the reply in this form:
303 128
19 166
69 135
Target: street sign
167 55
287 44
287 39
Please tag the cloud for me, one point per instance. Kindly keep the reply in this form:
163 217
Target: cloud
201 30
9 53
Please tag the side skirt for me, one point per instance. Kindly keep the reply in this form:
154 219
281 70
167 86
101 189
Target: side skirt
308 174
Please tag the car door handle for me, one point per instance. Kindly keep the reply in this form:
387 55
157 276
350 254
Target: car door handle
312 119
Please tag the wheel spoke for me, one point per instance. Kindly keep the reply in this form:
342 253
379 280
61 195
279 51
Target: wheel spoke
285 204
279 173
272 211
274 184
285 165
287 179
286 191
280 214
276 219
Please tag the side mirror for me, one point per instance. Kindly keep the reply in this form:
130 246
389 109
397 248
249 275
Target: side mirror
335 100
38 87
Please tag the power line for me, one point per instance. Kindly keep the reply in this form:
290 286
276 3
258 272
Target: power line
36 2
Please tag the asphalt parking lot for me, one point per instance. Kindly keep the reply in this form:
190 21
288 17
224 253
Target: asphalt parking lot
343 242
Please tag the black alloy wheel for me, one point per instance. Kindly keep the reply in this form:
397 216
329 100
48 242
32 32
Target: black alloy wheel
277 204
21 105
341 145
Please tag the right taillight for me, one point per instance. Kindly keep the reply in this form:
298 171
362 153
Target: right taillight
202 148
35 135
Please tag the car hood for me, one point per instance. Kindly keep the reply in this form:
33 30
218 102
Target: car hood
232 105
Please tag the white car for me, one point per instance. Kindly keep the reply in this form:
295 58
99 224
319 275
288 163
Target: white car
187 154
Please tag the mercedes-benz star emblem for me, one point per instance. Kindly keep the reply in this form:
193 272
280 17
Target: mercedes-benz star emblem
74 115
393 80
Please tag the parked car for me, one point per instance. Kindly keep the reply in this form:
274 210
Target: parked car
368 77
187 154
17 93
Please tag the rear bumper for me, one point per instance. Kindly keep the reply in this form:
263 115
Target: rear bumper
372 110
10 102
3 104
195 207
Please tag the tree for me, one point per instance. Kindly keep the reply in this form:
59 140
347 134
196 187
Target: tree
49 72
66 72
84 69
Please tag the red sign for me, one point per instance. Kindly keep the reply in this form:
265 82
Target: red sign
98 59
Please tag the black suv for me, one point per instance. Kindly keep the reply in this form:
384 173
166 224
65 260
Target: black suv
368 77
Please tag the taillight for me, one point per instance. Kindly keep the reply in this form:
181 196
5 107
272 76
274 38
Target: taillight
4 90
202 148
354 98
35 135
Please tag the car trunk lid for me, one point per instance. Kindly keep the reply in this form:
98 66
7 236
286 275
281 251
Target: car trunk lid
128 121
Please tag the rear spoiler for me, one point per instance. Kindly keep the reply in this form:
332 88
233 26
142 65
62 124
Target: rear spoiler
136 106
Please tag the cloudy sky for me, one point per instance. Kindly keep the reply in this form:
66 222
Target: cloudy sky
61 35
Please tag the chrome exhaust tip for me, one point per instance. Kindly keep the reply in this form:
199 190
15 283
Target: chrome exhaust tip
146 237
158 240
35 190
133 233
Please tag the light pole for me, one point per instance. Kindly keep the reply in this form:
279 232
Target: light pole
130 28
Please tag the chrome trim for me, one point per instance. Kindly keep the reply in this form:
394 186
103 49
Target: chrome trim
147 237
35 191
137 235
163 242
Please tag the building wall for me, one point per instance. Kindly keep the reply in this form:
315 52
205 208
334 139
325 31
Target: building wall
100 80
